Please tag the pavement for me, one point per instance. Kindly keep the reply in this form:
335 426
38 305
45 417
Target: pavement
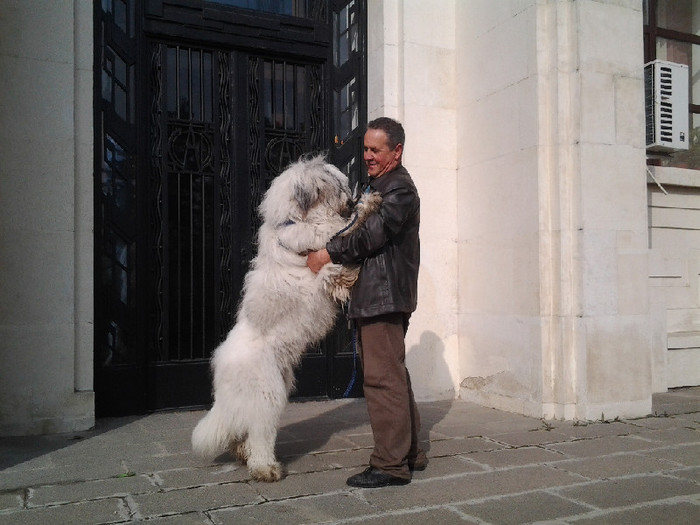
486 467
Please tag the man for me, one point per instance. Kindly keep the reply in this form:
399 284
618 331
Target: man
381 303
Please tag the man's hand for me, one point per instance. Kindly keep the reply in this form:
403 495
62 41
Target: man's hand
317 260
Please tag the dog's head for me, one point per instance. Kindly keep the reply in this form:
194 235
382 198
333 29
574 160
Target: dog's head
304 185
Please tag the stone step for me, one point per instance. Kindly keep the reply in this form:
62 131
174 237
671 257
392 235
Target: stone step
682 340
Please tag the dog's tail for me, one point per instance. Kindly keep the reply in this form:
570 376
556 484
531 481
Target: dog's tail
210 437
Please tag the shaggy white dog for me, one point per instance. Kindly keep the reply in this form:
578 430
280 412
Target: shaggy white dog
284 309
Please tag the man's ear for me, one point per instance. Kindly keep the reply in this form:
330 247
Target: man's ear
398 151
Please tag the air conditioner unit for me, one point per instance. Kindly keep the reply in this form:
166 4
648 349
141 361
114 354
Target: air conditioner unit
666 93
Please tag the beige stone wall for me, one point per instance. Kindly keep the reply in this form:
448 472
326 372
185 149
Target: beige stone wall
553 255
46 142
500 296
411 78
674 276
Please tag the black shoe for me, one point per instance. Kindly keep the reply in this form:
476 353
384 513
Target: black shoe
373 478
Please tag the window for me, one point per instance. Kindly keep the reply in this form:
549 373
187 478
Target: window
280 7
672 32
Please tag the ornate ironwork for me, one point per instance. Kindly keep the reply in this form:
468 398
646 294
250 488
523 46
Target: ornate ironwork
319 10
254 153
280 151
225 220
155 207
190 148
317 102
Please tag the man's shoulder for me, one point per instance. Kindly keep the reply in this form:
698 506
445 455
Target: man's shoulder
397 178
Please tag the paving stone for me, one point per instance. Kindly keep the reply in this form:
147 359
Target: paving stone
88 490
688 455
677 401
164 462
439 467
194 499
18 452
361 439
658 423
672 435
318 431
311 445
601 446
508 426
308 413
693 474
335 460
669 514
458 489
532 437
456 430
676 408
616 465
451 447
325 442
689 420
515 457
524 508
294 486
315 509
594 430
217 474
438 516
14 479
326 461
11 500
623 492
189 518
102 511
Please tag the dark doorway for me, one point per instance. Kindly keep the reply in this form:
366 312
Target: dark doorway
199 105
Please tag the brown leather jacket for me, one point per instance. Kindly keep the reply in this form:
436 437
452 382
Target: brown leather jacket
388 247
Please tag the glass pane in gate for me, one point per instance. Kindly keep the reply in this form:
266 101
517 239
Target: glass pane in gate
190 205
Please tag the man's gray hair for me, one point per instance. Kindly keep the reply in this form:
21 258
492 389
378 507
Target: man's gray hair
394 130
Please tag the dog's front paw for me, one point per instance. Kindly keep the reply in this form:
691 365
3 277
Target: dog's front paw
267 473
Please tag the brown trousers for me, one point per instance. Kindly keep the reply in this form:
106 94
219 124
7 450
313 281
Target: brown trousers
393 413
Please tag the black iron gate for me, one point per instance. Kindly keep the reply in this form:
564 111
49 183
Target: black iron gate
194 118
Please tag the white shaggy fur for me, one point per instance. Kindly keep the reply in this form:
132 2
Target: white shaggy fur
284 309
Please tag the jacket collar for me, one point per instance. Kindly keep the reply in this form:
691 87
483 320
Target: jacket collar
380 183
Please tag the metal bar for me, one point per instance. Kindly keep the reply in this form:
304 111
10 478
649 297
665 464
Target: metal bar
203 284
191 270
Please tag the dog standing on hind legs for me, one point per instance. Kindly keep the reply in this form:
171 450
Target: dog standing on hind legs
285 308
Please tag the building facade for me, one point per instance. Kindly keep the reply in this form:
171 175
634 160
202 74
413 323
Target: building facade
560 259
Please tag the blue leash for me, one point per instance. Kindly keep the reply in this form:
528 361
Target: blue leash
354 327
354 362
354 219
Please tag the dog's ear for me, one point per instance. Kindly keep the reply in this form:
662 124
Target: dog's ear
305 195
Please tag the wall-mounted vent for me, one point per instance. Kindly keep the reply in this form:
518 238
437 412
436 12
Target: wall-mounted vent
666 93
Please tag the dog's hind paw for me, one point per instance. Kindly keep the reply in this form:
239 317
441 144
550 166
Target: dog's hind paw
267 473
237 448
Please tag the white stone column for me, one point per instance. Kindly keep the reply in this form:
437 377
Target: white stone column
553 234
46 217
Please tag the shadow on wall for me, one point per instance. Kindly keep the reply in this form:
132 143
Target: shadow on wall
429 370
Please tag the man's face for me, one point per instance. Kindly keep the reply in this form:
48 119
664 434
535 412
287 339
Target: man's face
379 157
